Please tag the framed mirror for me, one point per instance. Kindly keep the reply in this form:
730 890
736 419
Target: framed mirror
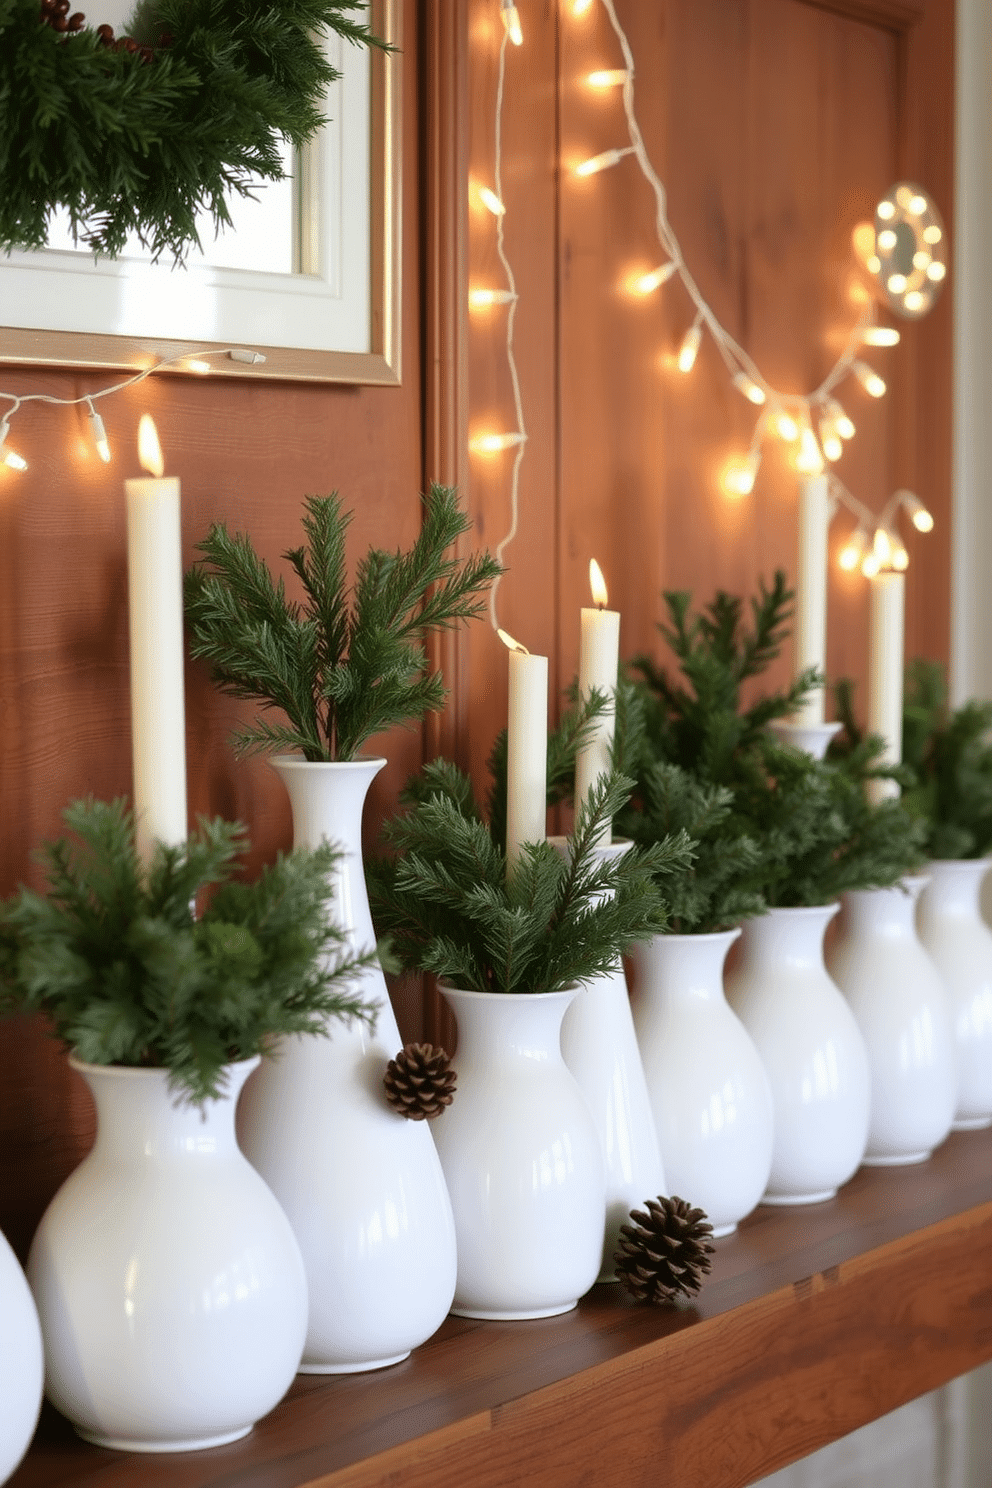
306 286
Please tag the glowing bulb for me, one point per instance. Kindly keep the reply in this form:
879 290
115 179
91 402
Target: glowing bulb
914 301
932 234
689 348
921 519
844 426
99 436
646 283
809 460
887 239
739 475
785 426
480 299
511 22
921 259
896 283
870 566
830 440
881 336
747 385
900 558
491 201
869 379
601 162
874 264
936 272
882 546
10 457
904 196
597 585
199 367
917 205
149 449
609 77
886 210
491 444
579 7
853 550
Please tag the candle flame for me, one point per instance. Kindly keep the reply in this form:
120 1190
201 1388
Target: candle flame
508 641
597 584
149 449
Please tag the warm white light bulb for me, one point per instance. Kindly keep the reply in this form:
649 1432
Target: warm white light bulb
921 519
880 336
932 233
579 7
853 550
747 385
99 436
739 475
194 364
830 440
491 201
602 162
886 210
900 558
886 239
870 566
785 426
608 77
937 272
882 546
921 259
689 348
869 379
809 459
896 283
874 264
491 444
917 205
480 299
904 196
647 283
914 301
844 425
511 22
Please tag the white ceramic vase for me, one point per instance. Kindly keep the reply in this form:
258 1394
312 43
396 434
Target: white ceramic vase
898 998
599 1046
950 925
21 1367
708 1087
812 1051
362 1186
170 1288
522 1158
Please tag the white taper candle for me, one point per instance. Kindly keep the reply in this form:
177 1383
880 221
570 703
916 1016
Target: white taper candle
888 590
811 589
527 751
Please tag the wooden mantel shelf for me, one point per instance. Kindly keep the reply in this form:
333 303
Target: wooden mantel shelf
814 1321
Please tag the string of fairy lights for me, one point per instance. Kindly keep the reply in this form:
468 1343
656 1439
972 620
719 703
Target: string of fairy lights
815 425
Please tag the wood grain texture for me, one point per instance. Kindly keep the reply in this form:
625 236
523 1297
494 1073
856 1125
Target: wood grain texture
813 1322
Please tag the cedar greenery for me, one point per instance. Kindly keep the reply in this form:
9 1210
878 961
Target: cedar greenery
343 665
447 906
140 142
950 754
128 975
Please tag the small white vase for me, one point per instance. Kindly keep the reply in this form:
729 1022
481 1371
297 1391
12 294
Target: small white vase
710 1094
21 1367
599 1046
170 1289
362 1186
898 998
812 1051
950 925
522 1158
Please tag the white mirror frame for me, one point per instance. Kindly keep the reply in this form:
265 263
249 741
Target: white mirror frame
354 297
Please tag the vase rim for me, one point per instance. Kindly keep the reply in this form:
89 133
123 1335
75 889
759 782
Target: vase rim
984 861
84 1067
812 910
568 991
733 931
297 761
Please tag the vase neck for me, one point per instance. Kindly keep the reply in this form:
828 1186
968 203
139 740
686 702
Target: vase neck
787 936
682 967
882 911
494 1026
955 886
139 1116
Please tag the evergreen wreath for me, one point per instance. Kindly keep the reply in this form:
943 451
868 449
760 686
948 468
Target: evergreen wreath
129 975
139 135
344 664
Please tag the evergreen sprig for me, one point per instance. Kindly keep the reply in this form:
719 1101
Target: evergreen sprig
128 974
342 665
448 907
132 143
949 752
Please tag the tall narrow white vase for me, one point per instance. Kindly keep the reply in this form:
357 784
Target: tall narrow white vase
708 1087
812 1050
522 1158
898 998
21 1368
950 925
362 1186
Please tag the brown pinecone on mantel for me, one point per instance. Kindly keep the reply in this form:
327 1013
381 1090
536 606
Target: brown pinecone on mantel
665 1252
420 1081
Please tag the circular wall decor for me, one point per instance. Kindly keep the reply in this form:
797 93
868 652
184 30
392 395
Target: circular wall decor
909 261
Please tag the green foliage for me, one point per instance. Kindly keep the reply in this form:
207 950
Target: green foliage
128 143
128 975
342 665
448 907
950 756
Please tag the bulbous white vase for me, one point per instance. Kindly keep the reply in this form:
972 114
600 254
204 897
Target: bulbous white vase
21 1366
953 933
898 998
600 1047
362 1186
170 1288
710 1094
812 1051
522 1158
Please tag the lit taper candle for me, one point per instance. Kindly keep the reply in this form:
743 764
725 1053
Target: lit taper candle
527 750
811 589
888 592
599 661
155 595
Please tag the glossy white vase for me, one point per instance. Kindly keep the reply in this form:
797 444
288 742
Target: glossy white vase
522 1158
710 1094
812 1051
21 1368
170 1288
951 928
362 1186
898 997
599 1046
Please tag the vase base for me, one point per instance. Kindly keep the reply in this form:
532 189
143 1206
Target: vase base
895 1159
128 1444
820 1196
361 1368
721 1231
605 1277
493 1316
971 1123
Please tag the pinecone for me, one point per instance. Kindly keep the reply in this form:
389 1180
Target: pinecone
665 1251
420 1081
